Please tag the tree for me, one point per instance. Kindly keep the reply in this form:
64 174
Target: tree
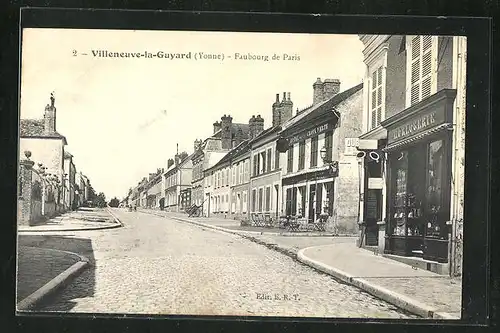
114 202
100 200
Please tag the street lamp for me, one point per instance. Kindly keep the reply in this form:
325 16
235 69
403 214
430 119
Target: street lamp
333 166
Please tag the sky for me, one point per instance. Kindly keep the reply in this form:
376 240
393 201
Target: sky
123 117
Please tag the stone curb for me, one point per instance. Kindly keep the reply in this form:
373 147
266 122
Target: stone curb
117 225
117 220
54 284
394 298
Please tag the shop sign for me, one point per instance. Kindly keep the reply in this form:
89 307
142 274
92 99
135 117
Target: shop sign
375 183
416 125
309 133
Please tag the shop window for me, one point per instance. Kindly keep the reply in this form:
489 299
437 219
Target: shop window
302 154
302 208
254 199
400 192
314 151
288 202
268 198
261 197
434 194
289 167
377 98
421 57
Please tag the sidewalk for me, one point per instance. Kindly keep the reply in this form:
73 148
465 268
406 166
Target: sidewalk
421 292
81 219
40 271
427 294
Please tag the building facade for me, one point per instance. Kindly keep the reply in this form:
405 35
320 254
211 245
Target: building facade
414 116
265 180
177 184
70 182
41 138
316 186
226 136
240 178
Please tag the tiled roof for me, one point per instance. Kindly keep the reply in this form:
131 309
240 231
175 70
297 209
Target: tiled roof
237 128
265 132
325 105
235 152
36 128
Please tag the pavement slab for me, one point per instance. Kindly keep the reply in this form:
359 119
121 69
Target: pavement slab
81 219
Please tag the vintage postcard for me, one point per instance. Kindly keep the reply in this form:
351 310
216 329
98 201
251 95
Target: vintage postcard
241 174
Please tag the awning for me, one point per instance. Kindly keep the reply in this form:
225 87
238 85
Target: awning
417 137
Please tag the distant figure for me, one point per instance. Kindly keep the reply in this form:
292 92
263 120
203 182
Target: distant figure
135 208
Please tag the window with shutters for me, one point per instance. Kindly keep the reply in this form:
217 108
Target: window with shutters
227 177
329 145
302 154
314 151
290 159
247 173
255 164
269 158
377 97
422 57
263 162
276 159
234 175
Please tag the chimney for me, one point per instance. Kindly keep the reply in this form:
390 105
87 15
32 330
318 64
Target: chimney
286 109
258 125
331 87
217 126
251 126
277 111
197 144
318 92
50 116
227 132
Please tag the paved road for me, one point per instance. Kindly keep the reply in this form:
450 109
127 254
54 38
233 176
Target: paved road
159 266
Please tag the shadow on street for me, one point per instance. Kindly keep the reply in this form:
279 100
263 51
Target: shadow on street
81 286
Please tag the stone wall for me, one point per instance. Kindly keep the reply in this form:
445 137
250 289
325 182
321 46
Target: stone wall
37 193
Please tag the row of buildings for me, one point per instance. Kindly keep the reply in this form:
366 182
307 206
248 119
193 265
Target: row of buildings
49 182
384 158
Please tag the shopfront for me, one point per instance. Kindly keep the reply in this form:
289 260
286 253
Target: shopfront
419 147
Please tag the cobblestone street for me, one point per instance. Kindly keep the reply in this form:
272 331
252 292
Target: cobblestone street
154 265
